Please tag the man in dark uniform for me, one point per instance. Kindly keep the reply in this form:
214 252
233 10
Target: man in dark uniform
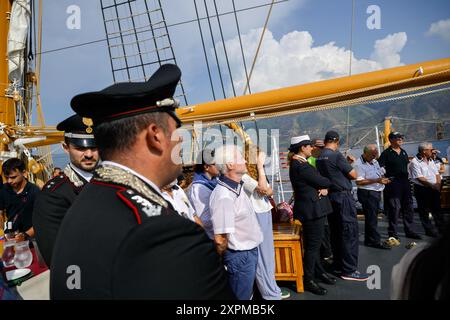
121 239
343 221
59 193
397 194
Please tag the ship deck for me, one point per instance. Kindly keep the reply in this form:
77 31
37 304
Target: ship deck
385 259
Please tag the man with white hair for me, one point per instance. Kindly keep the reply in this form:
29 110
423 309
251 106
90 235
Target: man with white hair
371 182
427 187
236 230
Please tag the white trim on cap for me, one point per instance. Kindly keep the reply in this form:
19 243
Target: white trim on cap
78 135
298 139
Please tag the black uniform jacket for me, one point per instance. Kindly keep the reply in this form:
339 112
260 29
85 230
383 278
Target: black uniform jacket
122 240
306 181
51 206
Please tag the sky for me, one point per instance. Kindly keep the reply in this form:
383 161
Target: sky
306 40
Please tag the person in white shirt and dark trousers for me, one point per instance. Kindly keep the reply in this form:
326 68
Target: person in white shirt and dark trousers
370 182
258 191
236 230
427 187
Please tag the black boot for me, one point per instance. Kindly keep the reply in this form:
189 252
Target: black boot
313 287
326 278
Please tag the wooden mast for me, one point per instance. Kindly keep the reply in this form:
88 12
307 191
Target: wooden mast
7 115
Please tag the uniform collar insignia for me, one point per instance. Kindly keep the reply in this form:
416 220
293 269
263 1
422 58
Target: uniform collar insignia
73 177
114 174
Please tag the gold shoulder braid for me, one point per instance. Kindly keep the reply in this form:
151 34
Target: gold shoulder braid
107 173
73 177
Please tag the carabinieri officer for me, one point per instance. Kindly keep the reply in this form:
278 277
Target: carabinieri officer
121 239
60 192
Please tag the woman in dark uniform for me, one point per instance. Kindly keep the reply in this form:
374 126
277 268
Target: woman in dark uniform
311 208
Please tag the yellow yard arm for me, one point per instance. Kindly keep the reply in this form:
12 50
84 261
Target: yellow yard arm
322 94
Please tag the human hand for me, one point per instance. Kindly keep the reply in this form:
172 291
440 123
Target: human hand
261 191
323 192
261 159
20 237
384 181
351 158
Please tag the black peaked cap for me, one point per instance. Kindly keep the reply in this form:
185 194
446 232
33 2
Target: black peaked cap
128 99
78 131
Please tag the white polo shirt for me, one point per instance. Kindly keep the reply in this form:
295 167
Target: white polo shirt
260 204
369 170
421 168
180 202
232 213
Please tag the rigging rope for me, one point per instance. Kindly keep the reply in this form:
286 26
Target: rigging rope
242 48
215 51
350 69
351 102
258 48
168 26
204 51
224 48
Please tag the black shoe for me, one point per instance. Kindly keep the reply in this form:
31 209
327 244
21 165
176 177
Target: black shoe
394 235
327 279
379 245
414 236
314 288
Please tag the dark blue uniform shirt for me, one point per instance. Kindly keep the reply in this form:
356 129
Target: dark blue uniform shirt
332 165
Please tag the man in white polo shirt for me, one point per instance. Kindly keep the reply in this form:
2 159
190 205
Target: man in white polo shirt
370 182
236 230
427 187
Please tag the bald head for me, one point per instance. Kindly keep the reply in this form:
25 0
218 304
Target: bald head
370 148
370 152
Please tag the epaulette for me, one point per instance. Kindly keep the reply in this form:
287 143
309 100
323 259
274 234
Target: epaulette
142 207
55 183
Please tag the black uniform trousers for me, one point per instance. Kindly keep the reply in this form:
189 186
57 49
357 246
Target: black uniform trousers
312 238
325 248
344 232
398 198
428 200
370 201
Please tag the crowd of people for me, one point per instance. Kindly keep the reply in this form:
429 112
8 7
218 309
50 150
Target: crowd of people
127 224
323 192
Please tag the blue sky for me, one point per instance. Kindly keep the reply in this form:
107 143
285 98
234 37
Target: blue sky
307 41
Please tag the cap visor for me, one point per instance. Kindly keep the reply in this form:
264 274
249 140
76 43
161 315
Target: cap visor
83 143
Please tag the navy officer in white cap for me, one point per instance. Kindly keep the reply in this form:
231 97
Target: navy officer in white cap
311 207
121 239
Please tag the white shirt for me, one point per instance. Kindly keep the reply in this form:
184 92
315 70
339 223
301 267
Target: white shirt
180 203
86 175
232 214
422 168
151 184
199 196
260 203
369 170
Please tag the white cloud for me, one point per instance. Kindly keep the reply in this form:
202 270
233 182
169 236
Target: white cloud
387 49
294 59
440 28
